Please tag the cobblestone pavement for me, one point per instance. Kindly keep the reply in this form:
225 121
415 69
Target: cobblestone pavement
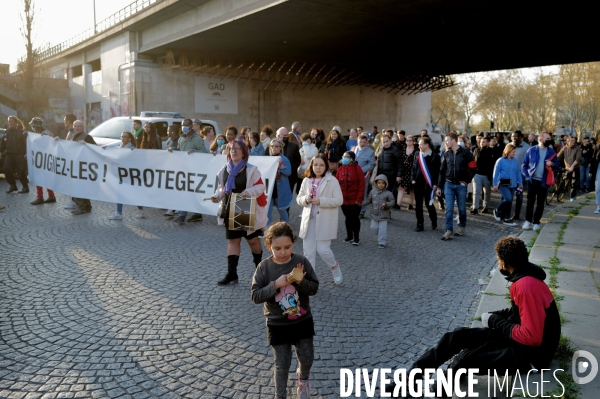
91 307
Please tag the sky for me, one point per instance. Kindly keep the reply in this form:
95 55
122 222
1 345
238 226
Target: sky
55 21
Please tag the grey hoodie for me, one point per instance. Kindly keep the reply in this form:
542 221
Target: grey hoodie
378 197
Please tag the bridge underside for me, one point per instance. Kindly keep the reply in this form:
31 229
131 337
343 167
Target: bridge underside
386 42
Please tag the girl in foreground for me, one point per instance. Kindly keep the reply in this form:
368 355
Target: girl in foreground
287 307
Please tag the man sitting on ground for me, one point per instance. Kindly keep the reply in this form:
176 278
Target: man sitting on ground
519 338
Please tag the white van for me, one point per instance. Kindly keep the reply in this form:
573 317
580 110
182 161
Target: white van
109 133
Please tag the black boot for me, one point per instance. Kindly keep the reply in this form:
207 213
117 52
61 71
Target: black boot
257 258
231 276
419 227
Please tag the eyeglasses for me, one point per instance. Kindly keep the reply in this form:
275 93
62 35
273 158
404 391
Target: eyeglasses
235 149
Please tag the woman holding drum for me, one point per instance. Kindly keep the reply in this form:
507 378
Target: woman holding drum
240 177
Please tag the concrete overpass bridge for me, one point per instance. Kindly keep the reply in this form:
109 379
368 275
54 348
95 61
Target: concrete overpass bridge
323 62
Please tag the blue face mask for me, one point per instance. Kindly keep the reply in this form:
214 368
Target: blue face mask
185 129
345 161
220 142
305 144
462 144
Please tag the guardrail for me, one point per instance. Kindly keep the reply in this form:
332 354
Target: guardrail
101 26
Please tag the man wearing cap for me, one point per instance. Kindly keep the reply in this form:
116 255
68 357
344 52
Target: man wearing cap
190 141
37 124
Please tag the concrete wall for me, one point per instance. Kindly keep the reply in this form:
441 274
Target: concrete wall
345 106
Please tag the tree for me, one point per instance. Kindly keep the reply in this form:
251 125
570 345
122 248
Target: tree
538 101
468 97
444 109
27 65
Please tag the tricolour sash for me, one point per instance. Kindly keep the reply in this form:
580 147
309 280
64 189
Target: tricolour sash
426 175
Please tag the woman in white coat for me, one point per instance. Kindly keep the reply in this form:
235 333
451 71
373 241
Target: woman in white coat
320 196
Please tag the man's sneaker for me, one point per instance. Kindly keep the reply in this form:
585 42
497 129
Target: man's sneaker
356 243
381 246
495 212
348 239
50 200
537 227
37 201
474 211
508 222
116 216
169 212
419 228
485 210
196 217
12 189
337 274
24 190
460 231
597 210
447 235
526 225
140 214
72 205
303 390
180 219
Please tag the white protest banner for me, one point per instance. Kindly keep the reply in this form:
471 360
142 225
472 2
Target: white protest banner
152 178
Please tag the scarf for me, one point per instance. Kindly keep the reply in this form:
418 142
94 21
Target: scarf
233 171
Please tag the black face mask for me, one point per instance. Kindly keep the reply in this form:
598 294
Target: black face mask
285 140
504 272
548 143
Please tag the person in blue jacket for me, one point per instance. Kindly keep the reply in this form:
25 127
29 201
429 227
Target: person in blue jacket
507 179
535 172
282 193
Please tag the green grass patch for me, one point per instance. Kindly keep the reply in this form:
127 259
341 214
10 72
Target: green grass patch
478 318
492 294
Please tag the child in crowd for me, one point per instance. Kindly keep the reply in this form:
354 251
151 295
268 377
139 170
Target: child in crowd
382 201
287 307
307 152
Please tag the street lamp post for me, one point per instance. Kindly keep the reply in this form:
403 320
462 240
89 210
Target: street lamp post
94 3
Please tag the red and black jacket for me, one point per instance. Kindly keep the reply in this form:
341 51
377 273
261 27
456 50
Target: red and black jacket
352 183
532 322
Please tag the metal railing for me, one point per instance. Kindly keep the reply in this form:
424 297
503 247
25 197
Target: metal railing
101 26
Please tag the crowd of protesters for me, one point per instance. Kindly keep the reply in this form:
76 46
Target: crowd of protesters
371 172
462 169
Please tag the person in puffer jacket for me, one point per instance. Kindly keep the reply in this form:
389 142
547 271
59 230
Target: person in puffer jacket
352 183
382 201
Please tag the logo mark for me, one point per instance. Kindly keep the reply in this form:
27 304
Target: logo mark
587 362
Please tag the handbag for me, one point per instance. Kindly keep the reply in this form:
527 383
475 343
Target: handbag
504 182
550 180
373 175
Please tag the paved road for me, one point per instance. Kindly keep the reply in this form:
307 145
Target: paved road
130 309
